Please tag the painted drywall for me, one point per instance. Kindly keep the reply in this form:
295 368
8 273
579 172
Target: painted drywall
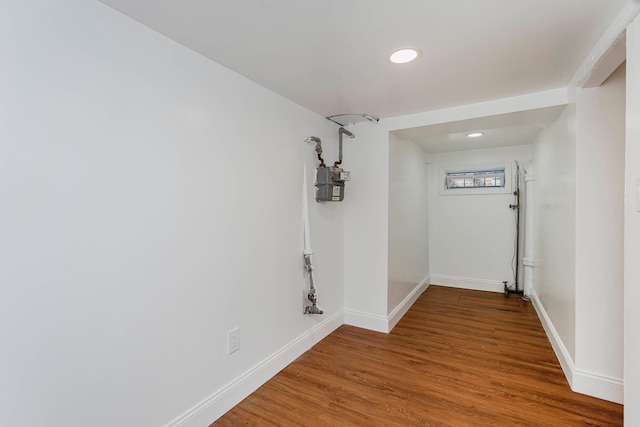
472 236
151 202
578 238
599 224
554 229
591 355
365 227
408 220
632 231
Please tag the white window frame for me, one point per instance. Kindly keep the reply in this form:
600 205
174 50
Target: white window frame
463 191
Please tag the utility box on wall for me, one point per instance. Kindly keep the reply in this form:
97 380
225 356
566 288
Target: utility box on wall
330 183
330 179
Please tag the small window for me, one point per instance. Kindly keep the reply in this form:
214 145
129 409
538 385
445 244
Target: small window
479 178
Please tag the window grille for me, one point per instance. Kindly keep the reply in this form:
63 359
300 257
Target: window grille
479 178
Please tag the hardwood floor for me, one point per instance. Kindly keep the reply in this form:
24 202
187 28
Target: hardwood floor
457 358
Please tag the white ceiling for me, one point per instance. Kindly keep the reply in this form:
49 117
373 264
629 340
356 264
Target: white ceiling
519 128
330 56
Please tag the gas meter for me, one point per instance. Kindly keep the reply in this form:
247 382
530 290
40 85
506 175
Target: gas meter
330 179
330 183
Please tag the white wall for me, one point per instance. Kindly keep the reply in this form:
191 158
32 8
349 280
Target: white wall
366 213
632 231
578 243
599 224
554 219
472 236
151 202
408 220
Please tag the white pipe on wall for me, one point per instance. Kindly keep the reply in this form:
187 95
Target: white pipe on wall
527 260
305 214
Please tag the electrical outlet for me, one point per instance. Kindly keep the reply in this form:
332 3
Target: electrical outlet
233 340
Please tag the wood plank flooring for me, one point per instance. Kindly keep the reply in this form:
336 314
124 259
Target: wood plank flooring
457 358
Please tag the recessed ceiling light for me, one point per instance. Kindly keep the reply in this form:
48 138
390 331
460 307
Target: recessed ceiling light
402 56
474 134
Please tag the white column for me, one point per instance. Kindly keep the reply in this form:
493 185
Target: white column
527 261
632 231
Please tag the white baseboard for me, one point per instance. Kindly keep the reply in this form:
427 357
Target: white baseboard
402 308
221 401
562 353
364 320
600 386
467 283
375 322
580 381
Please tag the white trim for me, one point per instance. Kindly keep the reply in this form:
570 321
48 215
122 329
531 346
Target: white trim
364 320
467 283
600 386
530 262
607 42
566 362
402 308
580 380
225 398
